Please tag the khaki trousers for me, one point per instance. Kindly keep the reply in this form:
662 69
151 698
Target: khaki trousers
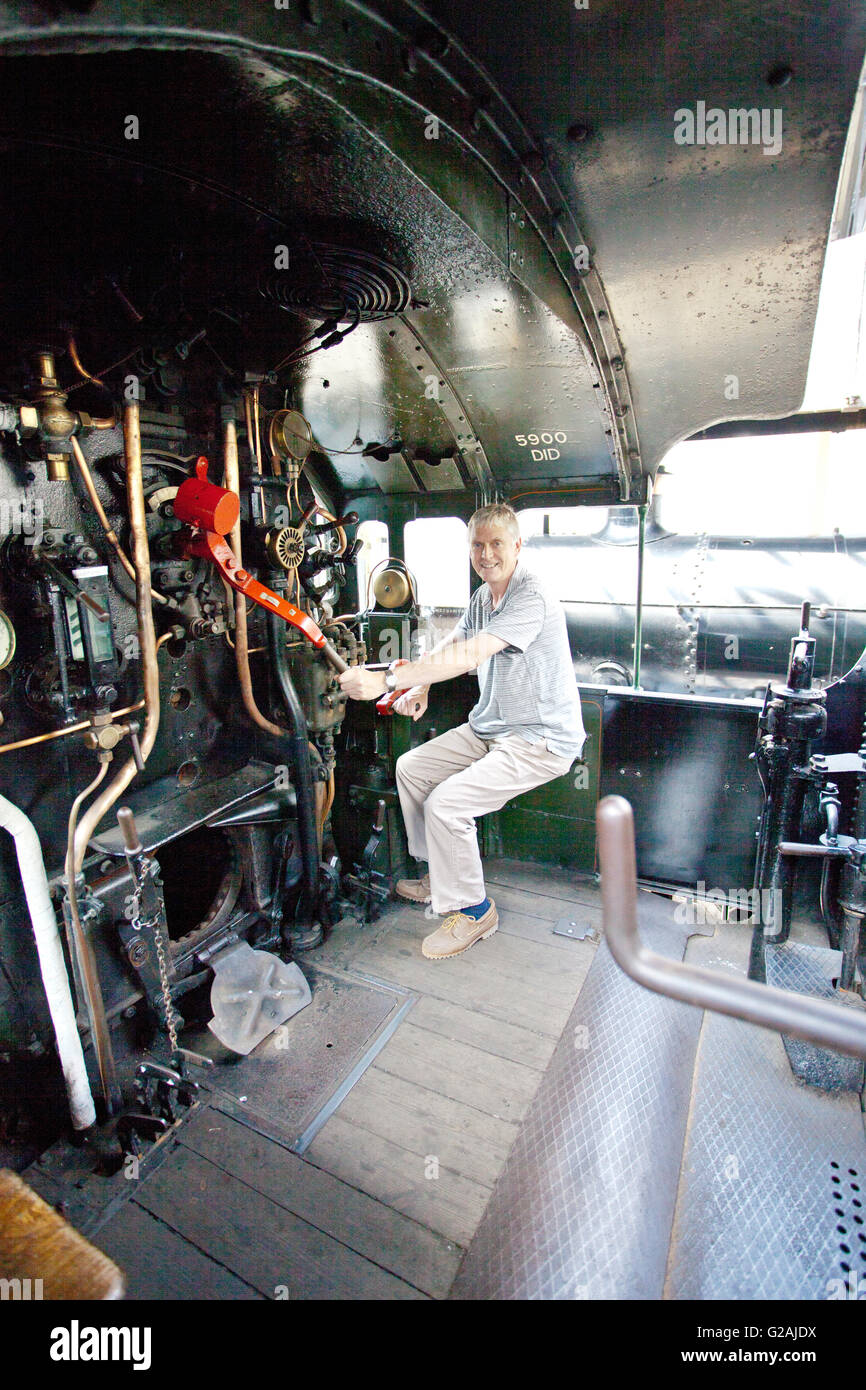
445 783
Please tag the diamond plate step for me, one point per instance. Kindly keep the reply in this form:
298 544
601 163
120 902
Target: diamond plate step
812 970
761 1212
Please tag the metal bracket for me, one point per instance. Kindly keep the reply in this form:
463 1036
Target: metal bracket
578 931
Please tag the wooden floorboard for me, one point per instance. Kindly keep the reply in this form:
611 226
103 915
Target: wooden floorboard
464 1139
491 1035
460 1072
261 1242
397 1243
492 994
542 879
445 1201
160 1264
541 906
389 1194
448 1092
541 971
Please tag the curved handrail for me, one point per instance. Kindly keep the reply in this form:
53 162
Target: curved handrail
817 1021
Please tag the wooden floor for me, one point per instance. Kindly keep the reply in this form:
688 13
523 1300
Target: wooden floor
388 1195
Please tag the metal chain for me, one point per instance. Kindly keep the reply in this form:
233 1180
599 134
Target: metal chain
156 927
166 990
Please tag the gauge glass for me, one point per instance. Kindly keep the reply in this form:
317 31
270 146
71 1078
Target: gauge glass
7 641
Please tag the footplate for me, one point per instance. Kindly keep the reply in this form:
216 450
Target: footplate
812 970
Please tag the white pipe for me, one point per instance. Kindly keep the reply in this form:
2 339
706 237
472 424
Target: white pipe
51 962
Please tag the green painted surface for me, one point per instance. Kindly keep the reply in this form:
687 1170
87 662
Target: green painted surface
555 823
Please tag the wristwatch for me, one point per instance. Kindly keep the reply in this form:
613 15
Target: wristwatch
391 679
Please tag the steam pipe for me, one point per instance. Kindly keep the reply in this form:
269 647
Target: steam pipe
80 835
83 958
304 790
146 636
51 963
110 533
241 643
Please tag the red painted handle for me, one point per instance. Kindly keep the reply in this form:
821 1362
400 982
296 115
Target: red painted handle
389 699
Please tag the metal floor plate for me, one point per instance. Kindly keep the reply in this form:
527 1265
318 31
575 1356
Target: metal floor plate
767 1169
584 1205
811 970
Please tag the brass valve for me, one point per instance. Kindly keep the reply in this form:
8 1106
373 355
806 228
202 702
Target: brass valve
49 418
103 736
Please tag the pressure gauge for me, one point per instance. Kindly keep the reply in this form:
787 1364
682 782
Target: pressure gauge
7 641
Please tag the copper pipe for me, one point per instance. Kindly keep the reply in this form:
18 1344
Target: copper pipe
84 723
146 634
87 965
321 792
110 534
242 651
76 362
256 427
103 423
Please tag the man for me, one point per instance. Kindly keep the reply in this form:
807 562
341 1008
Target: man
525 729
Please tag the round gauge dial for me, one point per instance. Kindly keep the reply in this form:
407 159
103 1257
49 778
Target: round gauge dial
7 640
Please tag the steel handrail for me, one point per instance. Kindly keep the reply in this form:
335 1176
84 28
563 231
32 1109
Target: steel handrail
818 1021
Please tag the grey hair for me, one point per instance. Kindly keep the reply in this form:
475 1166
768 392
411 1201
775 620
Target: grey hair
497 514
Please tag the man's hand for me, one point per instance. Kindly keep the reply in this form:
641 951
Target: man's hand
361 684
412 701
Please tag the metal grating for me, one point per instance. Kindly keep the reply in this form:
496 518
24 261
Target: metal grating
847 1187
812 970
755 1219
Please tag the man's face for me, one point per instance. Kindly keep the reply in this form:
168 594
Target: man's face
494 552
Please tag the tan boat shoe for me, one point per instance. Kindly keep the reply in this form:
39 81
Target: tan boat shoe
415 890
458 932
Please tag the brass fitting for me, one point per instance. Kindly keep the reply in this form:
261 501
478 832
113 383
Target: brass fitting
104 735
50 419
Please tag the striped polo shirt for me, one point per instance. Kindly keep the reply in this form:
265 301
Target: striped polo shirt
529 687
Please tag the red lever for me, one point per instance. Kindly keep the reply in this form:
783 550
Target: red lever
386 704
214 548
204 505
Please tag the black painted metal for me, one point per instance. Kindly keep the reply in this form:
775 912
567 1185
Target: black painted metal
306 915
581 152
792 721
683 763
